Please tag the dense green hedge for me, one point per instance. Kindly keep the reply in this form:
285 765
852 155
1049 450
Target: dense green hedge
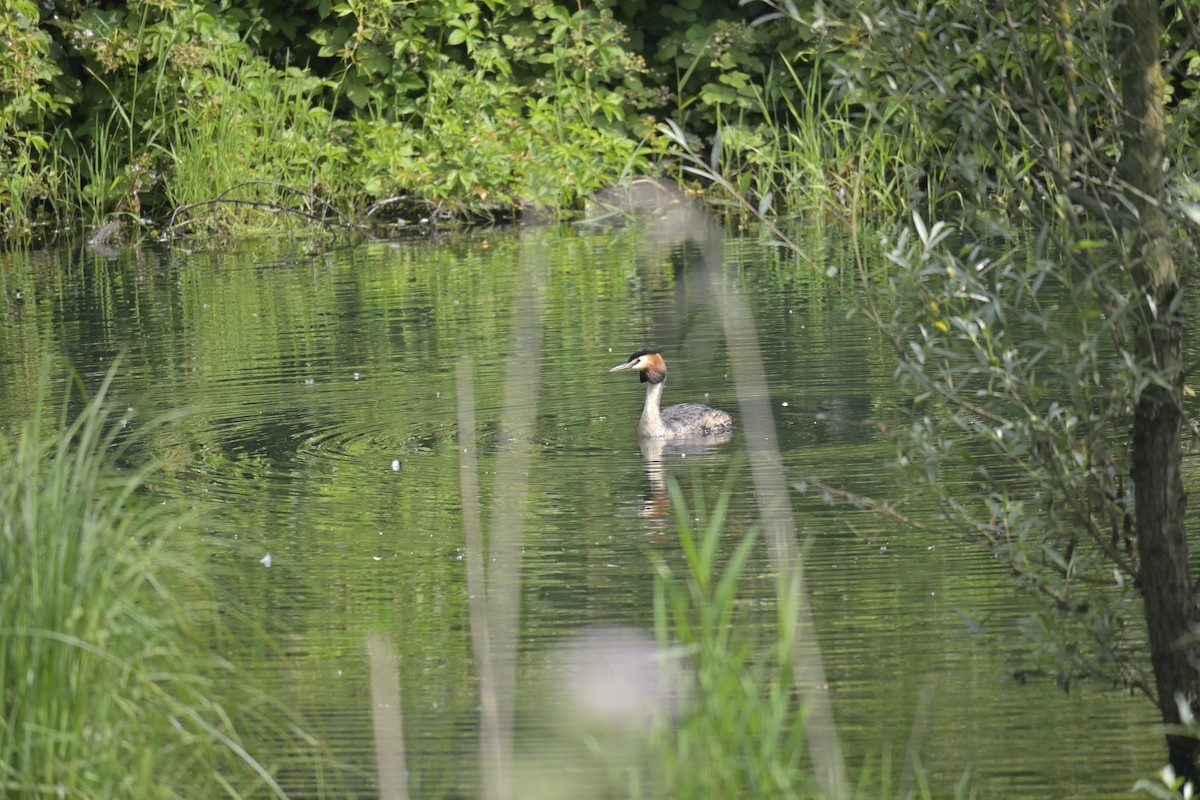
447 107
390 109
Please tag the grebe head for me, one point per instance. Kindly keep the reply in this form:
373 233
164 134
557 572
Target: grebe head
649 363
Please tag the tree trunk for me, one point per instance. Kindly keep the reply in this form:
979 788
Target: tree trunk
1160 503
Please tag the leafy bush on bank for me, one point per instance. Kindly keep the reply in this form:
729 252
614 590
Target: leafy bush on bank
465 108
458 107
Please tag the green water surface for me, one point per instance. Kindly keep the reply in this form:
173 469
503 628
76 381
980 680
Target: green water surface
322 430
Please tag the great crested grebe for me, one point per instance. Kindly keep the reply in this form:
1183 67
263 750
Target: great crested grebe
673 422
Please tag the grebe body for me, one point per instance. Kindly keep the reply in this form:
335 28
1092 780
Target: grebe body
673 422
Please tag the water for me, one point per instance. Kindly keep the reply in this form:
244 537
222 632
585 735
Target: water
322 429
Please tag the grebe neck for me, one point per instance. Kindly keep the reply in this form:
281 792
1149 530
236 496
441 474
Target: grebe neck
651 423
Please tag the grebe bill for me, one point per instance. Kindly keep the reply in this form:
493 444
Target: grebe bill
673 422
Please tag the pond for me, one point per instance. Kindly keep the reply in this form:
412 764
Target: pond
331 403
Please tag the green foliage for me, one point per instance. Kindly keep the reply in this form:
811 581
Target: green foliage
1027 337
743 733
1020 344
1041 335
516 109
813 151
463 107
484 108
268 128
777 127
492 149
434 108
1016 384
28 90
109 687
1169 786
882 107
31 92
717 60
994 105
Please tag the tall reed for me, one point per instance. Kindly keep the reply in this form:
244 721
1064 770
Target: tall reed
743 736
808 148
743 729
267 126
107 679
